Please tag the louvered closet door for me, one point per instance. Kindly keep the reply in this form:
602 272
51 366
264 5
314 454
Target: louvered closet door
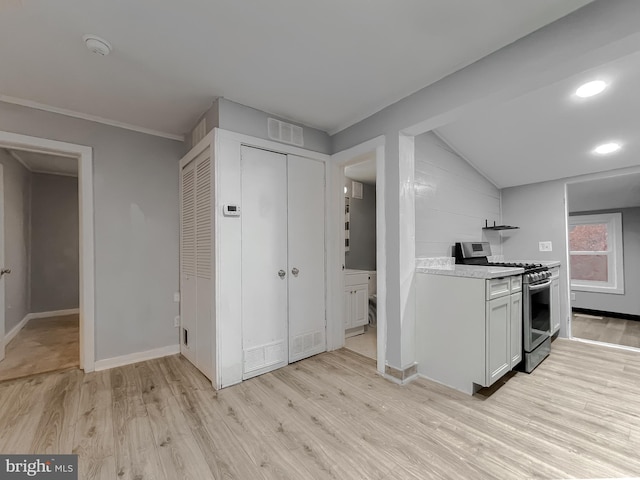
264 255
204 265
307 324
196 264
188 283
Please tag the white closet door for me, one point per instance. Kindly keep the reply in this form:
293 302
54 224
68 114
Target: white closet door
264 255
204 265
307 323
188 283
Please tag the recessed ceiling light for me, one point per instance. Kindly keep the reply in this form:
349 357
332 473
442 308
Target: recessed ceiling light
590 89
607 148
97 45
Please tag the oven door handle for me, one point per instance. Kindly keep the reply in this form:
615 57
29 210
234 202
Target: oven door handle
540 287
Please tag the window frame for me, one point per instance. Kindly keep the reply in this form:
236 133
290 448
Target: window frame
615 253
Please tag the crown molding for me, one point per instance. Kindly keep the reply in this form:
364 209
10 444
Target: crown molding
88 117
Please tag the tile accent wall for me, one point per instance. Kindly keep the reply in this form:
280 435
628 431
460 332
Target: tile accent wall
452 200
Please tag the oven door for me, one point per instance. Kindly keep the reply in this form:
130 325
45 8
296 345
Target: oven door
537 314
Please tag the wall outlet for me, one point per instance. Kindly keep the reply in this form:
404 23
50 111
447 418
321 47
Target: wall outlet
176 321
176 297
573 296
544 246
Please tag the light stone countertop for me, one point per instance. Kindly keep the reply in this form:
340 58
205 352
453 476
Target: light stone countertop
472 271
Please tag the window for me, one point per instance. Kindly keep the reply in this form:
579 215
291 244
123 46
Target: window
595 252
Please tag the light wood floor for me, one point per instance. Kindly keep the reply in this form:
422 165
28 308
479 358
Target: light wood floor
364 344
331 416
43 345
606 329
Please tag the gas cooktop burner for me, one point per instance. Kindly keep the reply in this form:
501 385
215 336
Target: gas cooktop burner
528 267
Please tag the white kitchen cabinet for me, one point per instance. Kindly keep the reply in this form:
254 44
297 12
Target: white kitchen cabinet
498 338
516 326
555 300
356 300
467 334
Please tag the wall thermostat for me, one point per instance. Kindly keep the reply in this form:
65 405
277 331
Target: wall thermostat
231 210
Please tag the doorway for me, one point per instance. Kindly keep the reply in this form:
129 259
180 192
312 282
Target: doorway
360 255
343 307
603 219
79 158
41 258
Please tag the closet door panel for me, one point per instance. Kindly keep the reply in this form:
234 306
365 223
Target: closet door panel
307 322
264 255
204 265
188 282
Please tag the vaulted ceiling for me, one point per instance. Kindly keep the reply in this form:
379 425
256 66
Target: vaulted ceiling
550 133
326 63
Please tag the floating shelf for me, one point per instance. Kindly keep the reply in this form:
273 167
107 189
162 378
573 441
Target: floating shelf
498 227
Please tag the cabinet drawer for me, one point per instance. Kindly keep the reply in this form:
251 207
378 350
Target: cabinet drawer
356 279
516 283
497 287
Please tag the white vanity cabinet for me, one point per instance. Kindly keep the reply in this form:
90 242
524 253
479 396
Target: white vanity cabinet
468 330
356 299
555 300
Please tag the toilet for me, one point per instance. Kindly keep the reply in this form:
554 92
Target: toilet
373 298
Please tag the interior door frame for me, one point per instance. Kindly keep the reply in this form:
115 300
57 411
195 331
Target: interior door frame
340 161
2 282
84 155
567 321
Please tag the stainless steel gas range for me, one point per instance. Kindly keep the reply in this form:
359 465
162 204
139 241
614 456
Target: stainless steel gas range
536 296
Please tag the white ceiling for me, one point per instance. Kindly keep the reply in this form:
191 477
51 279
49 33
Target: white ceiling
550 133
364 171
622 191
326 63
46 163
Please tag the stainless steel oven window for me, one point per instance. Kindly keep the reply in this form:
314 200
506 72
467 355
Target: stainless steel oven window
537 314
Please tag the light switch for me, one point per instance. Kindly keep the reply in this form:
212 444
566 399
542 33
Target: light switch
176 297
545 246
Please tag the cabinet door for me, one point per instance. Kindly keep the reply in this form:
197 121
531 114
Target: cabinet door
498 339
348 307
306 258
555 305
516 329
264 261
360 305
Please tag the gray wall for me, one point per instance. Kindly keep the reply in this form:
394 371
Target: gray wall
538 210
362 229
453 200
239 118
54 243
250 121
17 190
136 226
628 303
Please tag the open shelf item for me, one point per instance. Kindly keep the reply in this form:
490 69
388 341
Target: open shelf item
497 227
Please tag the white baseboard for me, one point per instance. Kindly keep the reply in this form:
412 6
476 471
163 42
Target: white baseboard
15 330
122 360
55 313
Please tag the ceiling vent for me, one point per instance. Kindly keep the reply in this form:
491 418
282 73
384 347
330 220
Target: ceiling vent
285 132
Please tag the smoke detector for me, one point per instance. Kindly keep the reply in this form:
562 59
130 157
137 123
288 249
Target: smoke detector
97 45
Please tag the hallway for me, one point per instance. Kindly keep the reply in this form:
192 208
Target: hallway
43 345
